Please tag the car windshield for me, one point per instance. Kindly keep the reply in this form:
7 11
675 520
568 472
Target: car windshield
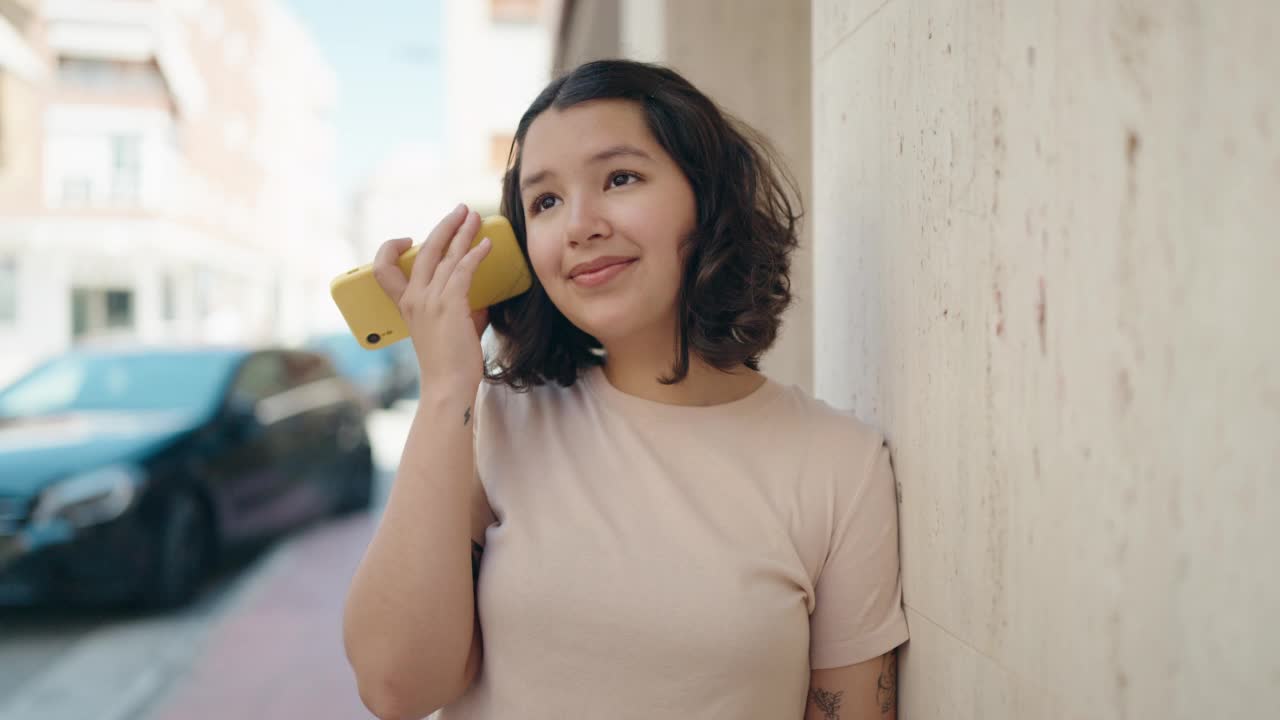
130 382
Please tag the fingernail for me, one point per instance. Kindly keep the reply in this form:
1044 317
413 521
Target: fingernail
460 208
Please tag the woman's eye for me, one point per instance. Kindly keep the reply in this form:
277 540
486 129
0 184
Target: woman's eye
626 177
546 202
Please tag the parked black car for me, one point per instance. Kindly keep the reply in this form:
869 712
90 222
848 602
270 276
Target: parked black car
124 473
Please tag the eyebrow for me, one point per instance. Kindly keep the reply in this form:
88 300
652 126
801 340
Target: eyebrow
606 154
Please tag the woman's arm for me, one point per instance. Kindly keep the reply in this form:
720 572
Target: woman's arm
409 625
866 691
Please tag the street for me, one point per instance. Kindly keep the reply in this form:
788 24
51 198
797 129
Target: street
262 640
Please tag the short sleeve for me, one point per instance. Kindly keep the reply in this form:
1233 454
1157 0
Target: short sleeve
481 512
858 611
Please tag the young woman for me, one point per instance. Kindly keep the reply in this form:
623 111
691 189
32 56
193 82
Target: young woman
658 530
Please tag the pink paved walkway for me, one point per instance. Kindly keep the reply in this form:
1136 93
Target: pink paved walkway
279 653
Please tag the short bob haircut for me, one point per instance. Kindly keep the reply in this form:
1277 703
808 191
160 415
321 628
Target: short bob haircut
736 284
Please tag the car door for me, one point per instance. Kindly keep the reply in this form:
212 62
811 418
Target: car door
317 399
256 450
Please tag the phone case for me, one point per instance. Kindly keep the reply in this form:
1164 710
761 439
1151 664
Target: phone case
374 318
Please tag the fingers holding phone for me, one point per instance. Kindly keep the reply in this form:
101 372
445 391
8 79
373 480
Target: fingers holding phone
385 270
433 298
430 256
376 299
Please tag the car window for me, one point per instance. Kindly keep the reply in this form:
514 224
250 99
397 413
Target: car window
141 381
305 368
260 377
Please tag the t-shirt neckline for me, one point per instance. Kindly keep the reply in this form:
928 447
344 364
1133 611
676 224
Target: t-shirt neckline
599 385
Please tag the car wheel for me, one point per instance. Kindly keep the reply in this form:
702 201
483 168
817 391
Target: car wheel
182 551
358 488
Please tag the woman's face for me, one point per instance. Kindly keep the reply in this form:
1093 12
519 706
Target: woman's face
600 192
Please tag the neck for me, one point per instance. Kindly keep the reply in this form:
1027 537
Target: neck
634 366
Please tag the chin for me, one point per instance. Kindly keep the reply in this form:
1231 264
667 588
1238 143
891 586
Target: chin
608 321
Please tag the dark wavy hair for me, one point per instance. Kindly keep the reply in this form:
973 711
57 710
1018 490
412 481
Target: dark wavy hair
737 261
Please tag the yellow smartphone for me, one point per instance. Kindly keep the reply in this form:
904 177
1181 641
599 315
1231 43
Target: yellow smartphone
375 320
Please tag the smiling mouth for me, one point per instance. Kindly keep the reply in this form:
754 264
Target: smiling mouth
599 277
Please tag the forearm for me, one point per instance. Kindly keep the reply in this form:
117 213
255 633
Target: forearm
409 617
866 691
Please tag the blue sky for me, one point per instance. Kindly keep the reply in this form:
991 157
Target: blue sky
387 55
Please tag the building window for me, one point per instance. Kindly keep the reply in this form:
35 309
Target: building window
119 308
126 169
100 311
111 76
203 293
8 290
87 74
168 298
499 149
514 11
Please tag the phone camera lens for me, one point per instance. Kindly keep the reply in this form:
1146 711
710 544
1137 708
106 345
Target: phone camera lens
373 338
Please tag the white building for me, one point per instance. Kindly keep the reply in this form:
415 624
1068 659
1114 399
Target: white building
185 187
305 226
497 57
405 195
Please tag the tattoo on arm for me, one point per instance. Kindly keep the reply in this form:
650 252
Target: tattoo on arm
466 416
828 702
887 686
476 551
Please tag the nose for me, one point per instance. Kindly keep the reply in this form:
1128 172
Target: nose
586 222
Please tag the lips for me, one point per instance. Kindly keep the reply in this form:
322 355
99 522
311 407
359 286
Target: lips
598 264
606 272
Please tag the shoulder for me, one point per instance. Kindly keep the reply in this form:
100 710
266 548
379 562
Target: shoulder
845 459
500 405
830 432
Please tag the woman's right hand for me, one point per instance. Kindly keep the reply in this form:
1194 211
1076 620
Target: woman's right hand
433 300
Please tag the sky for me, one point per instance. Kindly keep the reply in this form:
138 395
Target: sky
387 55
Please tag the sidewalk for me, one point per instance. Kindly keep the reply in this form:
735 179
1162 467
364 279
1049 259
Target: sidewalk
279 654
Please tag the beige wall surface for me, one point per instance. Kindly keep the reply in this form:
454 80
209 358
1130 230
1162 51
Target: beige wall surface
22 101
586 30
21 104
1046 261
753 58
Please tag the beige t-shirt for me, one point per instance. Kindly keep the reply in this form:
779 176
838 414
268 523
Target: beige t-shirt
660 561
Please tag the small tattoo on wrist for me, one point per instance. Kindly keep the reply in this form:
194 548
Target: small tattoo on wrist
466 416
828 702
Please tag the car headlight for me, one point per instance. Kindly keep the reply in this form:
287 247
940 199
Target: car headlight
90 498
